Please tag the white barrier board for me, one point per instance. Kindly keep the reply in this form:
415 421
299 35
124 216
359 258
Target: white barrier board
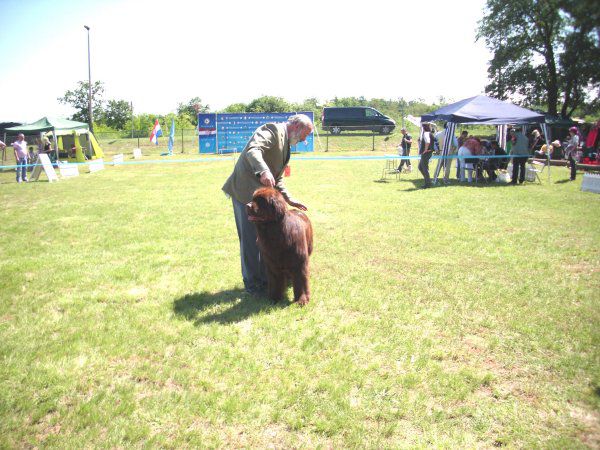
118 159
137 153
43 162
68 170
96 165
591 183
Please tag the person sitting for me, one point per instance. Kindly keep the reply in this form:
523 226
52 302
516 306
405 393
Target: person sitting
546 150
477 149
536 141
488 164
469 148
500 163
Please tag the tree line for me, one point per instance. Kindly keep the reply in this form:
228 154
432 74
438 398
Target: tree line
116 115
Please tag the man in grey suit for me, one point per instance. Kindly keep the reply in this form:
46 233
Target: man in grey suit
262 163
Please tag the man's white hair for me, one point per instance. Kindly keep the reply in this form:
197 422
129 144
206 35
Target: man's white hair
300 119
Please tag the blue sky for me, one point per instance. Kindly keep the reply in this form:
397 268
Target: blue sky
158 54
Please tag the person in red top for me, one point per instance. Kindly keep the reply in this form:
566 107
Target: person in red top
593 140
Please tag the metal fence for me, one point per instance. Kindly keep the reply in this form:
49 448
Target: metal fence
185 140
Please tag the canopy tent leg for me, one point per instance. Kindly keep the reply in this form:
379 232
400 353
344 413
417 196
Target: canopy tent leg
546 130
445 162
501 136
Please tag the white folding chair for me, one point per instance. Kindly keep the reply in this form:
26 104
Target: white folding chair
536 168
391 168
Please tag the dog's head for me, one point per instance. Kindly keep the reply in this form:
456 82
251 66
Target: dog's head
267 205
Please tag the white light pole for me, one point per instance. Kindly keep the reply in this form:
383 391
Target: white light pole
89 82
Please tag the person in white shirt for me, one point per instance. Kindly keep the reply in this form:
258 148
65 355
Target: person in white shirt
21 153
463 153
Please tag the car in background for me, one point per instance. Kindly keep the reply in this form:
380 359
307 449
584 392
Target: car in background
335 120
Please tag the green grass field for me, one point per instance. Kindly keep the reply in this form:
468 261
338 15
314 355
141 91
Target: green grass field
453 317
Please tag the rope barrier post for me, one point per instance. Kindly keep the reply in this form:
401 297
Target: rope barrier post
373 146
181 139
327 142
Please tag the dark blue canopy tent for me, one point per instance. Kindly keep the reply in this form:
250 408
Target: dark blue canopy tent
485 111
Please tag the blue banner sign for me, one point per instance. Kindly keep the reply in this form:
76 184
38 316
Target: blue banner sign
229 133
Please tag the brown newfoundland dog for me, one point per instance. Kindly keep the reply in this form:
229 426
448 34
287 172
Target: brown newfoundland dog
285 240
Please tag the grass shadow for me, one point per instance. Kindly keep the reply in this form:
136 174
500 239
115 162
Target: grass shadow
223 307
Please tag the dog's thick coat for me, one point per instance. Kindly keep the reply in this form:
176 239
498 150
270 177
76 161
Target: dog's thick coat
285 240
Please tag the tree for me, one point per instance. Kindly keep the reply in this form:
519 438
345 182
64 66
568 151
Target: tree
268 103
116 114
236 108
191 109
349 101
581 58
310 104
78 100
540 54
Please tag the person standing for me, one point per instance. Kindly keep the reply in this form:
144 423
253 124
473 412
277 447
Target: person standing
21 153
262 163
405 144
520 153
571 150
426 151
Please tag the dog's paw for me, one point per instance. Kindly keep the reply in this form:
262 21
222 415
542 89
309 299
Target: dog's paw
302 301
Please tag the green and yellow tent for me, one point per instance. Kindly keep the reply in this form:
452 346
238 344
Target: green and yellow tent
66 134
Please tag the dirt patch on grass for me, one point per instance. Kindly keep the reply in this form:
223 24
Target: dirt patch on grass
47 426
6 318
581 268
270 436
590 422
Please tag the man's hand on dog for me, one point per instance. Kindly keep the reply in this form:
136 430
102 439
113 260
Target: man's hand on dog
266 179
